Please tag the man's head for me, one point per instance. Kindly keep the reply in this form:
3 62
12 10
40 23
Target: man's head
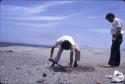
66 45
110 17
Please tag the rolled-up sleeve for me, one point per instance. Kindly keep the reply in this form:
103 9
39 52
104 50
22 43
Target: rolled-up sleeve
57 43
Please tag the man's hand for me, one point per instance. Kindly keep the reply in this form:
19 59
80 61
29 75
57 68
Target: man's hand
50 58
113 39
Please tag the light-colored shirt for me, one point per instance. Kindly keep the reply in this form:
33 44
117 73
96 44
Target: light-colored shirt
115 24
68 38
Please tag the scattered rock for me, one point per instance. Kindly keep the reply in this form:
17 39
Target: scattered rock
2 61
39 81
1 83
44 74
9 51
97 82
29 72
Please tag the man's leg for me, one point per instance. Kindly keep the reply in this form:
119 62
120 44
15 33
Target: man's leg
77 57
115 52
118 54
56 59
119 41
71 59
118 57
112 60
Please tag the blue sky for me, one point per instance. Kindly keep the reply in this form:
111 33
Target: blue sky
43 21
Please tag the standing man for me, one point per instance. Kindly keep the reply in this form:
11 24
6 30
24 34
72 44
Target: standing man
116 32
66 43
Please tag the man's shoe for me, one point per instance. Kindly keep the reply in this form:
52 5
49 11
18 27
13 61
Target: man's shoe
75 65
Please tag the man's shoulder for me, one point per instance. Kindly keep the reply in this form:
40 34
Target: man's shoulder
117 20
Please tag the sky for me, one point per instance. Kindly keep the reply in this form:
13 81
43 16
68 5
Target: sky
44 21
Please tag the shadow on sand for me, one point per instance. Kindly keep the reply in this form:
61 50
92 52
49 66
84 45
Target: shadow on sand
84 69
75 69
60 69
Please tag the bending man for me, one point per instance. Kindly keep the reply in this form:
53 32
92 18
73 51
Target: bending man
66 43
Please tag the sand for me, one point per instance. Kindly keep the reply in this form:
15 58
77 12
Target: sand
30 65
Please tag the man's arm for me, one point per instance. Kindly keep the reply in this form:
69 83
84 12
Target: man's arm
71 58
77 53
52 50
117 33
53 47
118 29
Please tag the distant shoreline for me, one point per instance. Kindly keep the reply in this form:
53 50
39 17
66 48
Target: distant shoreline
5 44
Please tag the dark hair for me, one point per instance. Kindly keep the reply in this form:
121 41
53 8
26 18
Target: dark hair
66 45
110 15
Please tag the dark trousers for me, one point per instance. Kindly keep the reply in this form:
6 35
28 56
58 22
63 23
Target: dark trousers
115 51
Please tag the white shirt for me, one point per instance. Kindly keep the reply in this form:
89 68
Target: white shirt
116 23
68 38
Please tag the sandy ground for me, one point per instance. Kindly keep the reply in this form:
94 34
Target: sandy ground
30 65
